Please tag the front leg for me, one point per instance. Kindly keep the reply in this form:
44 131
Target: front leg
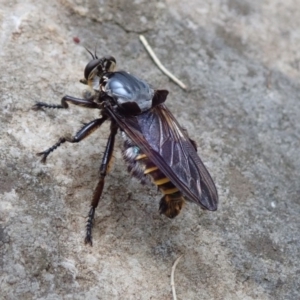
88 103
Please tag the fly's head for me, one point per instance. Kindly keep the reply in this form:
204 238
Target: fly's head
95 70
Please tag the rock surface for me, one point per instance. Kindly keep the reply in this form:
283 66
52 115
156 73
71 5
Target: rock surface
241 61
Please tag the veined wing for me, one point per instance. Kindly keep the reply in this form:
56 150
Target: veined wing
159 136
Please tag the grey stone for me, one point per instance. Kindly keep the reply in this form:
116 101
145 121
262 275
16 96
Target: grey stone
241 62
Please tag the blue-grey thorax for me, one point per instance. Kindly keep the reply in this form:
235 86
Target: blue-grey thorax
124 87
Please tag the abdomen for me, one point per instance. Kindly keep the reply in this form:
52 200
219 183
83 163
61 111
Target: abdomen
142 168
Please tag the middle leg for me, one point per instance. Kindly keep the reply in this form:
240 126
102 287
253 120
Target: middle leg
85 131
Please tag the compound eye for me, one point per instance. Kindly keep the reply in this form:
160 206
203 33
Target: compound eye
91 66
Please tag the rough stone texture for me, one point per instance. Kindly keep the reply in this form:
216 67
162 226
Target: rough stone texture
241 60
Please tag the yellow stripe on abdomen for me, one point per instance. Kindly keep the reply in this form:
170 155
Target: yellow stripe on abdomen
170 191
149 170
141 156
162 181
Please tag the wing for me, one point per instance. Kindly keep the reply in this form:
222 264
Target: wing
159 136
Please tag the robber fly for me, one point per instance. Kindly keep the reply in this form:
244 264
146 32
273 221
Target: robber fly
155 145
